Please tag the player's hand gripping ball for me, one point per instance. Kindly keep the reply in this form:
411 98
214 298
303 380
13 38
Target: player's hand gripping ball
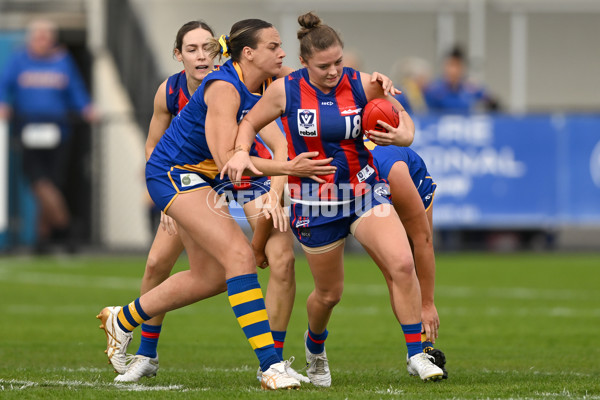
382 110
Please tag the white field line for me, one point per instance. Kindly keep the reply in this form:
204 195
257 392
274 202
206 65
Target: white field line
69 280
18 384
517 293
548 312
14 275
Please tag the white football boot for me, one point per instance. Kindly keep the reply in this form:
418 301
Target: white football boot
317 366
291 372
139 367
422 365
117 340
277 377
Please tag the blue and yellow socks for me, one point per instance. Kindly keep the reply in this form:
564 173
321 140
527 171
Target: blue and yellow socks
412 335
131 316
149 341
248 305
316 342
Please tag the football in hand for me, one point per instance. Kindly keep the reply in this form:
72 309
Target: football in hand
382 110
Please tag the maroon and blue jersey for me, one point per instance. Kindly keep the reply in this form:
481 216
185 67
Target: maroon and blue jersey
177 92
329 123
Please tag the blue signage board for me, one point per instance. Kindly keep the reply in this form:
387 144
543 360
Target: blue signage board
500 171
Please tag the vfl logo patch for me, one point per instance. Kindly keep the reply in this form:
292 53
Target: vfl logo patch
307 122
364 173
190 180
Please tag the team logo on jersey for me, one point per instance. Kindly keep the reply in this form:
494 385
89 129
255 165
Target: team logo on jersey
364 173
307 122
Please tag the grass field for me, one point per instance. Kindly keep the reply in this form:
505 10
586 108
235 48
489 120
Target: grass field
514 326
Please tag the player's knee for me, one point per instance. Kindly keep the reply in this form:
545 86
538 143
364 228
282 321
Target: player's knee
282 266
157 268
330 298
402 266
238 258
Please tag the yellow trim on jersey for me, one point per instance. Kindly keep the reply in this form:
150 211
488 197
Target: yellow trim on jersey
261 341
368 144
432 197
253 318
179 191
265 84
245 297
206 167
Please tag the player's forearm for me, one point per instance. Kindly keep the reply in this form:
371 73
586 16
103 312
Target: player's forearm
269 167
245 136
425 266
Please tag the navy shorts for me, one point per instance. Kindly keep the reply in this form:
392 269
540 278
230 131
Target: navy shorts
317 225
164 185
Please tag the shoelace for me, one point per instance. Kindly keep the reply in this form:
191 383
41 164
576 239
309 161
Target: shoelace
288 363
117 345
319 364
130 359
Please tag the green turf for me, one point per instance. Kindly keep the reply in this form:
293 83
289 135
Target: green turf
515 326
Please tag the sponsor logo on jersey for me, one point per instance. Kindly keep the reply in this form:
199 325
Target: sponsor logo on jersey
302 222
327 103
191 180
364 173
307 122
350 110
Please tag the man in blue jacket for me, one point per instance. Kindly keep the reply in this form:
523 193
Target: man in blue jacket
40 89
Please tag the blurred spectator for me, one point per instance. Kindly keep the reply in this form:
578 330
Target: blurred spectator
40 89
412 75
453 92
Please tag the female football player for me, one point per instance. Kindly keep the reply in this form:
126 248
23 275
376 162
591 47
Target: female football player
320 109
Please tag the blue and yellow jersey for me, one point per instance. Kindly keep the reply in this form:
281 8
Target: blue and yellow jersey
329 123
184 143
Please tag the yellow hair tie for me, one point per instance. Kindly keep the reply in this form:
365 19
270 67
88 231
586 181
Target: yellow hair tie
224 48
